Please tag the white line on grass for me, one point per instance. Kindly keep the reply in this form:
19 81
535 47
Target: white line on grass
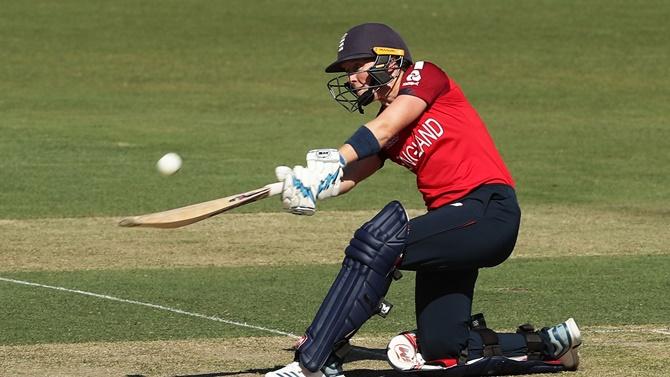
628 330
243 324
154 306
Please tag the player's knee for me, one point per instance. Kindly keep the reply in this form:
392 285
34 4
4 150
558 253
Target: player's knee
379 243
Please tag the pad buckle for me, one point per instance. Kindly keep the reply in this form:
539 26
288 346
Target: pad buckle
384 308
477 321
534 343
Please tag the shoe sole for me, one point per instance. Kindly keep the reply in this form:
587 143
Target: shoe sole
570 360
575 333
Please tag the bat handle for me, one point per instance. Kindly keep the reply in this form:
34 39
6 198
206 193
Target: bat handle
275 188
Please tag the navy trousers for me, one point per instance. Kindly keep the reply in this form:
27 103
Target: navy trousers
446 247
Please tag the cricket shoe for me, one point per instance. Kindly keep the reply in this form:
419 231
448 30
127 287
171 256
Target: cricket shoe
404 356
294 369
562 341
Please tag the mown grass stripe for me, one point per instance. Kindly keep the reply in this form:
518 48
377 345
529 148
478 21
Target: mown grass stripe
154 306
616 291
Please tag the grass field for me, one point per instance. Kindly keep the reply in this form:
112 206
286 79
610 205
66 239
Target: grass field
92 93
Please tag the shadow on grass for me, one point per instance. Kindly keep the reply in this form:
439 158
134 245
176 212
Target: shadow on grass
357 354
262 371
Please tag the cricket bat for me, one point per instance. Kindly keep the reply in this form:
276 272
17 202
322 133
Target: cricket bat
182 216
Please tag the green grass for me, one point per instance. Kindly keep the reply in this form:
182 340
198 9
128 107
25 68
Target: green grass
597 291
94 93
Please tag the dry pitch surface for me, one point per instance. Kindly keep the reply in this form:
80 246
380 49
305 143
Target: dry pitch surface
234 240
606 352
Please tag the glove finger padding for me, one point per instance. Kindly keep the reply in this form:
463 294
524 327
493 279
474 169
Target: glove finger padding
297 194
281 172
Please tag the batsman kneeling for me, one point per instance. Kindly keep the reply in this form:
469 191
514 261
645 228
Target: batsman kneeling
427 125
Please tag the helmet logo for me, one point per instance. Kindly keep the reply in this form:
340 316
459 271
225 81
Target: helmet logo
388 51
341 46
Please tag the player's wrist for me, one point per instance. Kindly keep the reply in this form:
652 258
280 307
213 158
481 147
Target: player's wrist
364 143
343 161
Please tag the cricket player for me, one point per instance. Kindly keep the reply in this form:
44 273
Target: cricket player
427 125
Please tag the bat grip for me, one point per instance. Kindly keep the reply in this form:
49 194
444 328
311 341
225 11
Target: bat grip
275 188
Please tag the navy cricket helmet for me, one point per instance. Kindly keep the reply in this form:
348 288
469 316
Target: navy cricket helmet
374 41
368 41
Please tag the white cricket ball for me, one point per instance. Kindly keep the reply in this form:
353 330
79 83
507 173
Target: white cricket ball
169 164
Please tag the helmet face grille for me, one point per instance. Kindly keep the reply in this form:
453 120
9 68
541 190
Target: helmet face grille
343 93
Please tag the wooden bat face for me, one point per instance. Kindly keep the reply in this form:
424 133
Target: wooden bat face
182 216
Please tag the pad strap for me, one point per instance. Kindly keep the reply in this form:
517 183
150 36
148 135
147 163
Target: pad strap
489 337
534 342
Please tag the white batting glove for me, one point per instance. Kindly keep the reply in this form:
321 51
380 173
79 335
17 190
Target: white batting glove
298 195
326 166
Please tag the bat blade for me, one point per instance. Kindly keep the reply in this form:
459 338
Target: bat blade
182 216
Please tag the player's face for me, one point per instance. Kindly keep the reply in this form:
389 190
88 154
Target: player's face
357 72
360 80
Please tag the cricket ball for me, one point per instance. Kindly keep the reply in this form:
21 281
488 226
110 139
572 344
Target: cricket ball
169 164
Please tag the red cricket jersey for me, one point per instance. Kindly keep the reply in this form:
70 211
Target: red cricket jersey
448 146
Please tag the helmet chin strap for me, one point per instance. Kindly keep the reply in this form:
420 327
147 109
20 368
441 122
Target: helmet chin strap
378 77
368 96
365 99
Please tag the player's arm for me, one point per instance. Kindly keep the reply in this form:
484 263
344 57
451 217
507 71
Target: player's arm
324 176
357 171
370 138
